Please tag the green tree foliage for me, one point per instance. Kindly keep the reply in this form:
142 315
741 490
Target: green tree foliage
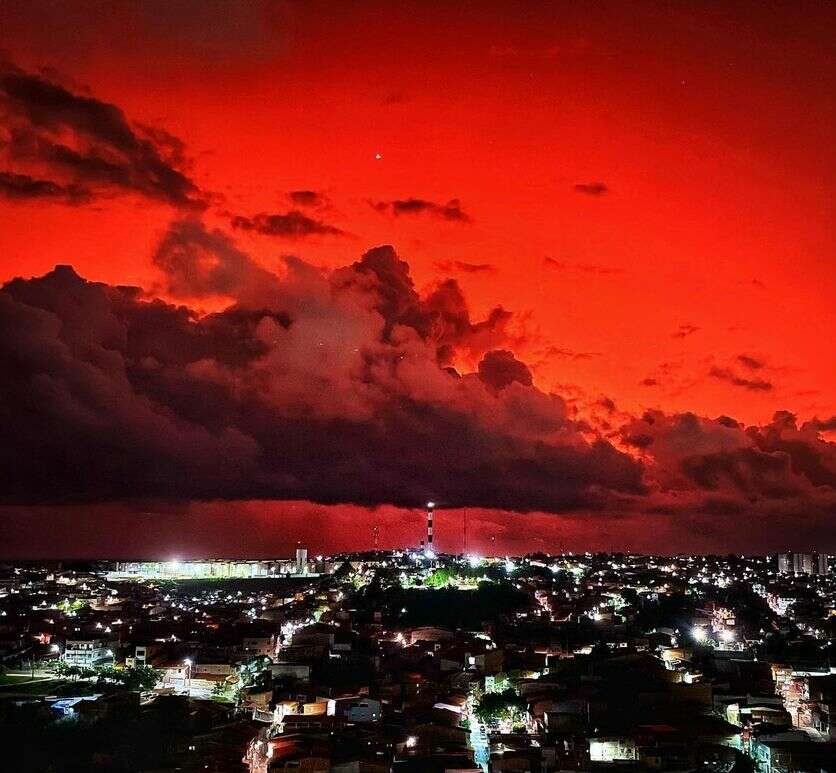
496 706
440 578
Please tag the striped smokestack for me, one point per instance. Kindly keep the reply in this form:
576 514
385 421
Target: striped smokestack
430 511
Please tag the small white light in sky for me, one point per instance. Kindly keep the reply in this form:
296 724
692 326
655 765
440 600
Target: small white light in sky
378 156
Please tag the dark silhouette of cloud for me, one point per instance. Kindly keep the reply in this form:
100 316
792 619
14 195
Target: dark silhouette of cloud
753 363
754 384
569 354
587 268
307 198
290 225
592 188
452 210
683 331
450 266
23 187
821 425
500 368
76 147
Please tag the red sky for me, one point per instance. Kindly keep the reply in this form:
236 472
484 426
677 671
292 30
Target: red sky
702 230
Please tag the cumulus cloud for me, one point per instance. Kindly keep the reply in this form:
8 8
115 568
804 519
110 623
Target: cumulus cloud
822 425
500 368
337 387
441 317
61 145
198 262
717 465
314 386
452 210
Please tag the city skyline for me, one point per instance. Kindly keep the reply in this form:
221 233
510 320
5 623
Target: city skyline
278 273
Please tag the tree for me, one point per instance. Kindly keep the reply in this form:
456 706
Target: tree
222 691
496 706
131 678
60 668
440 578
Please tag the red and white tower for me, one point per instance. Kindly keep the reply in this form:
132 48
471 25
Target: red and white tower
430 511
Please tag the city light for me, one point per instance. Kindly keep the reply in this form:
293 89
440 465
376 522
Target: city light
309 618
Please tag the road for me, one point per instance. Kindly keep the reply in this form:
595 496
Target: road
478 737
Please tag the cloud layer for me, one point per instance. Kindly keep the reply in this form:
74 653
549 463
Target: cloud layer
317 387
342 387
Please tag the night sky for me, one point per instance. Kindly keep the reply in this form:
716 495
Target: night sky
283 271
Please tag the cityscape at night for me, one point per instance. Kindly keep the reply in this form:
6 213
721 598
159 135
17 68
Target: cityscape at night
413 660
417 386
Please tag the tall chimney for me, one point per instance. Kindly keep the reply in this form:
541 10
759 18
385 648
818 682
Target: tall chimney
430 511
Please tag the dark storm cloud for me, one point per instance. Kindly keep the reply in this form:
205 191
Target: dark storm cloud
500 368
754 384
20 187
290 225
318 387
451 266
441 317
198 262
452 210
822 425
775 470
592 188
78 145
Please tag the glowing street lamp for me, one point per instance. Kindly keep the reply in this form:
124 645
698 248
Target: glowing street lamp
699 633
